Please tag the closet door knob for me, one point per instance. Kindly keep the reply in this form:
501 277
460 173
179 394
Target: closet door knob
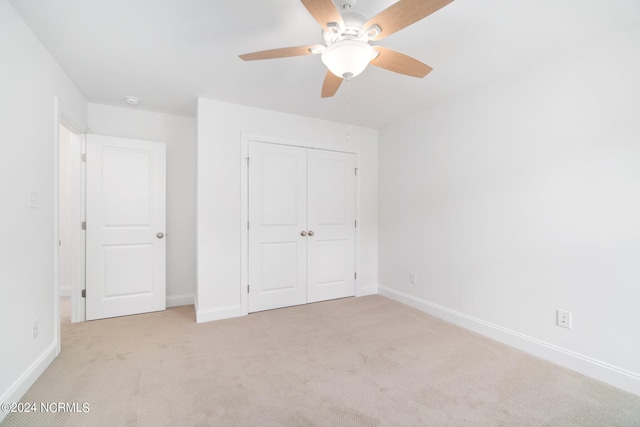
160 235
310 233
303 233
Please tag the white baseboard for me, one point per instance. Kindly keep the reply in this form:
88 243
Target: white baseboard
28 377
227 312
612 375
65 291
178 300
218 313
368 290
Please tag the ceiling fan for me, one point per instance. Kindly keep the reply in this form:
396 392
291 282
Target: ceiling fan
346 51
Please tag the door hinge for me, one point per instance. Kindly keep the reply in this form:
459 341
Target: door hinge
84 157
355 223
247 161
84 293
356 171
247 225
355 275
247 288
84 225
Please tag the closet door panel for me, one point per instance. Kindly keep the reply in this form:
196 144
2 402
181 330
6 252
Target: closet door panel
277 216
331 224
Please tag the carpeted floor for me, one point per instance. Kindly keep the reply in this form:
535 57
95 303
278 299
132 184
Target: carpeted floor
363 361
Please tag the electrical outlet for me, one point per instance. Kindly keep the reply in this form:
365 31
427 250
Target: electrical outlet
564 319
412 278
35 328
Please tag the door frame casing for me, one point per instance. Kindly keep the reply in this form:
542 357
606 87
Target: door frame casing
245 138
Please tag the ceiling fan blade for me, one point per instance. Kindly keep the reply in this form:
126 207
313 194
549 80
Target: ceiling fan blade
402 14
323 11
400 63
331 84
283 52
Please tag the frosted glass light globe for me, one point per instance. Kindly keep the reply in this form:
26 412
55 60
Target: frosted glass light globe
348 58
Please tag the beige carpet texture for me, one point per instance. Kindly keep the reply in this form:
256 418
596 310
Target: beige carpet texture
366 361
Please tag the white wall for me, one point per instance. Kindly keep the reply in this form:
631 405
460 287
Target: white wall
30 79
179 134
522 198
220 126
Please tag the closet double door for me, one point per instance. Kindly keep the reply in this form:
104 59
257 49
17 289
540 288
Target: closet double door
301 225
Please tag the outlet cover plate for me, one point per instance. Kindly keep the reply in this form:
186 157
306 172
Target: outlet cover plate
564 319
412 278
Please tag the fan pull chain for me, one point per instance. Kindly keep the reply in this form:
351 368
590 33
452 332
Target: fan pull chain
349 128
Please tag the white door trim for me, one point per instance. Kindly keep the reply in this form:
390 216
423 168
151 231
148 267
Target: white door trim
244 201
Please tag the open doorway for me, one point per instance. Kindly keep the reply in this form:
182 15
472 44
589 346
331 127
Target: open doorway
65 246
120 252
71 245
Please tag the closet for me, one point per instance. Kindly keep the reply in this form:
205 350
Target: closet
301 237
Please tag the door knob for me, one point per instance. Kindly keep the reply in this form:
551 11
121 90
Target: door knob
303 233
160 235
310 233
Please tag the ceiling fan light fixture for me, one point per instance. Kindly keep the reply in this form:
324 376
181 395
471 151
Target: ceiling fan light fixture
348 58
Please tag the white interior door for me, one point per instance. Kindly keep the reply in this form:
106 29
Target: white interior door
125 215
301 225
331 215
277 216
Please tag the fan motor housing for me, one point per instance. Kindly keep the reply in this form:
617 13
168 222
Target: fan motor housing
352 29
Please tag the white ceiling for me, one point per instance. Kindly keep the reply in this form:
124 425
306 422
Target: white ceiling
170 52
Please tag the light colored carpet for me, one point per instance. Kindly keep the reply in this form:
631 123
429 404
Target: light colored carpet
363 361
